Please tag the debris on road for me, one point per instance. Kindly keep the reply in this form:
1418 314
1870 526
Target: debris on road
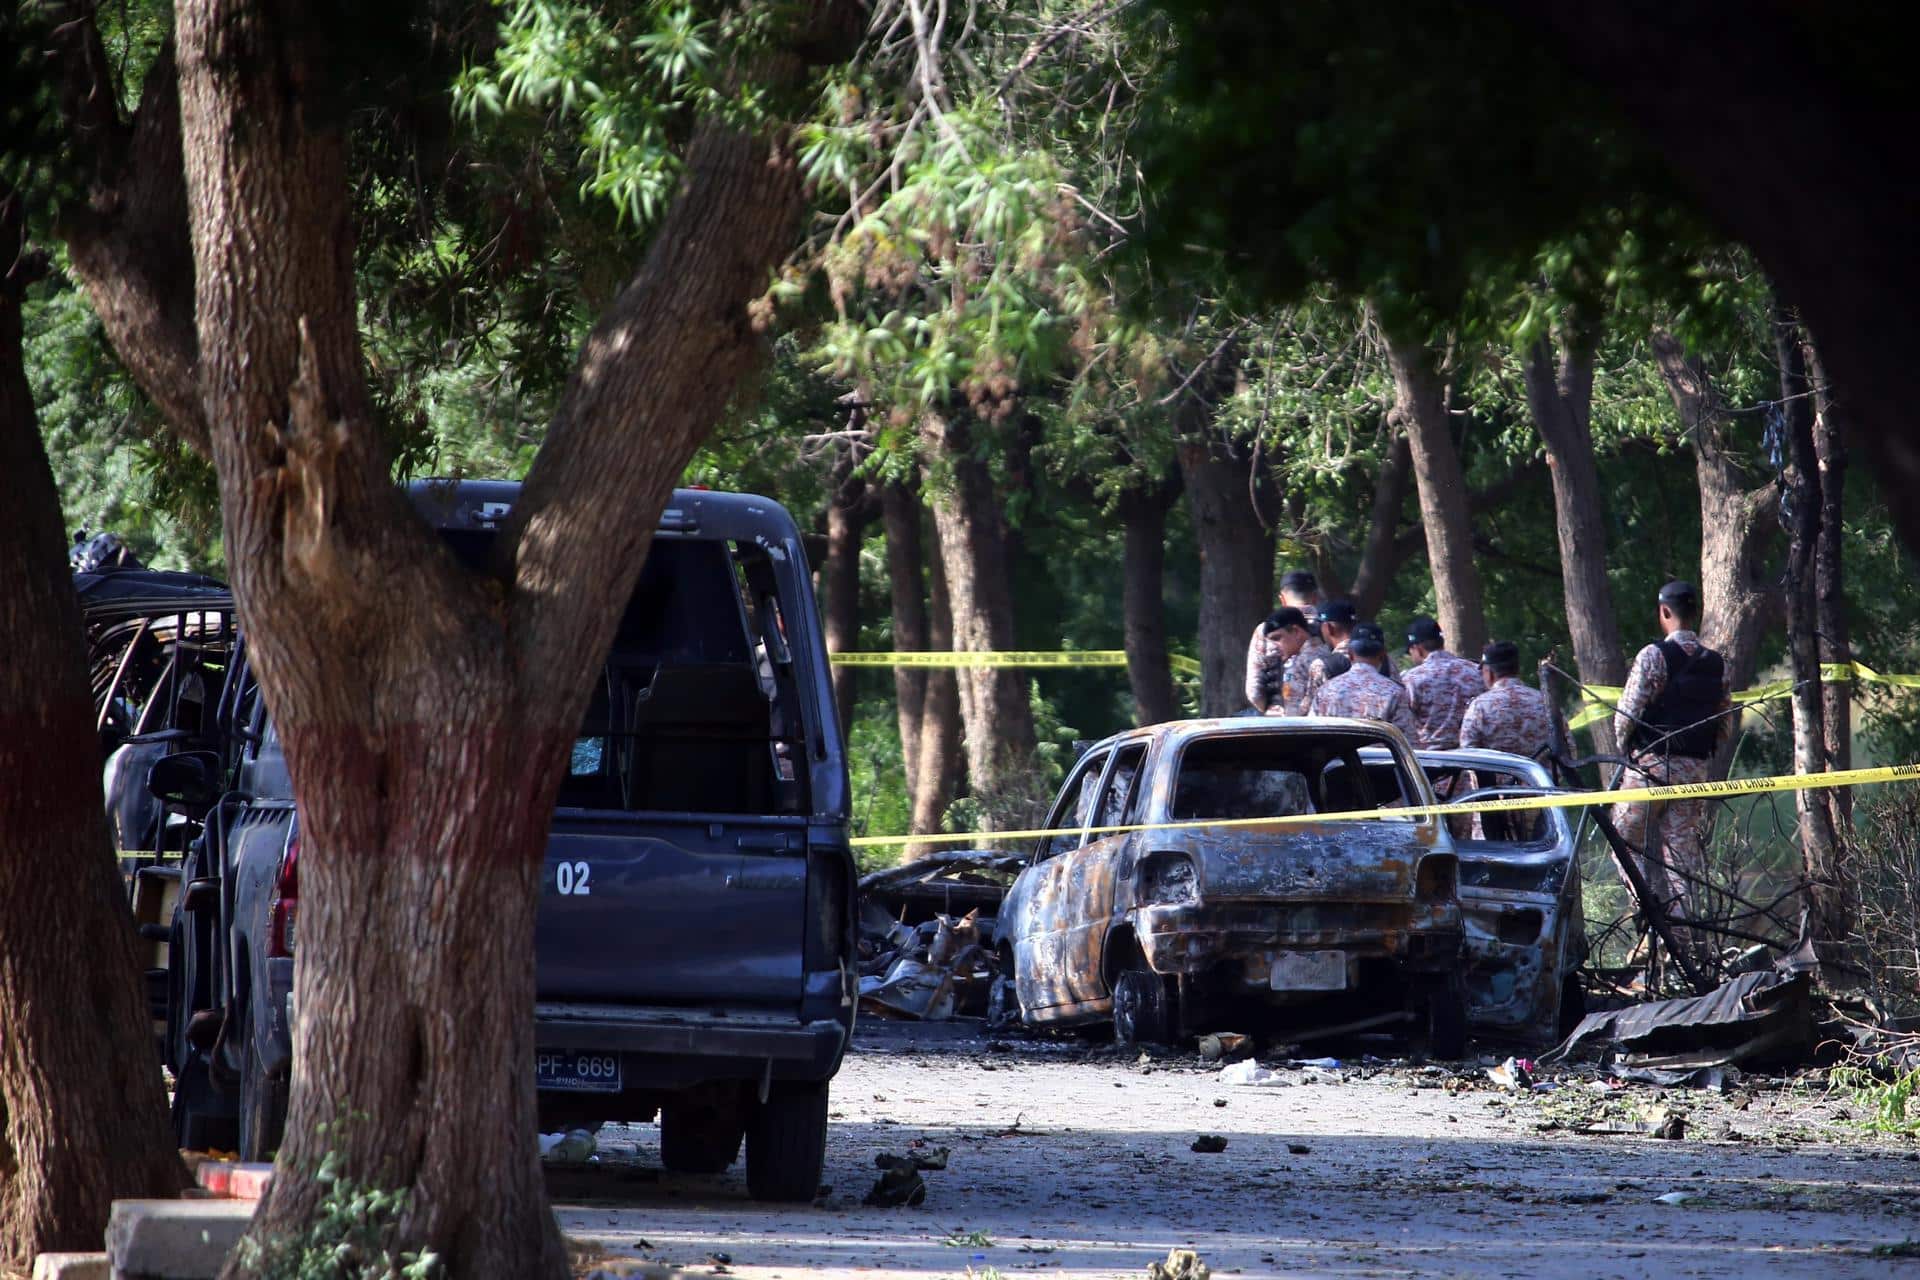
1515 1074
1224 1045
1248 1072
899 1183
1181 1264
574 1146
927 972
1765 1016
1209 1144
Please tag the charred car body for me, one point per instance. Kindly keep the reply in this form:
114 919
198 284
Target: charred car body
694 939
1353 924
1520 895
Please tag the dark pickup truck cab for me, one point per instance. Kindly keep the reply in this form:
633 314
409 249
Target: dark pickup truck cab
693 942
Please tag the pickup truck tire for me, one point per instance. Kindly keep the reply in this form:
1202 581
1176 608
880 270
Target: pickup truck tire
263 1104
699 1139
1447 1022
787 1142
1142 1011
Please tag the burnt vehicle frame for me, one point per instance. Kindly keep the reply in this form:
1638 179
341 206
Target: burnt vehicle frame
1520 894
1302 928
695 934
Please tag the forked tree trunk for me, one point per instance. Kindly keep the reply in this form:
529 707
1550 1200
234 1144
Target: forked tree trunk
1420 406
1830 580
1819 848
907 596
942 760
83 1117
1739 527
995 705
426 711
1560 395
1236 566
1384 551
1143 516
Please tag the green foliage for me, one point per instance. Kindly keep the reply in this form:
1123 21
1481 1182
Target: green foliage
1891 1100
350 1237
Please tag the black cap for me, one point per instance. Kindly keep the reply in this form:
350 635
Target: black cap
1501 655
1299 581
1340 613
1424 632
1366 639
1285 616
1679 593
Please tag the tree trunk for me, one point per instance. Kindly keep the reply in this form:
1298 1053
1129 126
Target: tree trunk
848 514
1819 847
907 594
1830 581
1236 567
1561 400
1143 515
942 759
83 1116
995 705
1739 527
1384 553
1421 408
426 712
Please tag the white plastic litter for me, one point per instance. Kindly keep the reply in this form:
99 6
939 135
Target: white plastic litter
571 1147
1248 1072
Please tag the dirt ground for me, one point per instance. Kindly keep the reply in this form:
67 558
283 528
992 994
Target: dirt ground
1068 1159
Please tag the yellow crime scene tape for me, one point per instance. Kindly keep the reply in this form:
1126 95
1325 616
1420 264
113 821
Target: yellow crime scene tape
1596 706
1512 804
1181 664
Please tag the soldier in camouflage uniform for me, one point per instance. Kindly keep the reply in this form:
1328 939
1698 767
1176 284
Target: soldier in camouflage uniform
1311 671
1362 690
1298 590
1279 638
1511 715
1673 716
1440 688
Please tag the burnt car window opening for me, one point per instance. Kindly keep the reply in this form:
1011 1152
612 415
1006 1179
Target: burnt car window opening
697 708
1271 776
1076 802
1116 796
1526 827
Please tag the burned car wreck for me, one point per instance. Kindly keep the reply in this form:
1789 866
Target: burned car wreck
1520 894
1346 926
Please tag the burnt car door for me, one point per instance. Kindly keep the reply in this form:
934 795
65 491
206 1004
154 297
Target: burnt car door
1040 906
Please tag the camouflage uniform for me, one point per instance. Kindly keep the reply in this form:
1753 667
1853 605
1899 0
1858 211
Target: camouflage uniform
1511 716
1297 695
1438 690
1265 669
1364 692
1679 827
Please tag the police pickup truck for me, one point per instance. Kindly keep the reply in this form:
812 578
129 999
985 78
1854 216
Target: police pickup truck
693 943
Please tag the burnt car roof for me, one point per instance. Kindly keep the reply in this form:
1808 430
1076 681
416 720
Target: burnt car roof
707 513
1487 758
127 593
1181 731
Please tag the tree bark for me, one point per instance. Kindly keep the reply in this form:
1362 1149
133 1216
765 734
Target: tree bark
1236 566
1143 516
942 758
83 1116
1560 395
1837 241
1819 848
1384 552
907 596
848 514
995 705
1421 408
426 711
1739 527
1830 580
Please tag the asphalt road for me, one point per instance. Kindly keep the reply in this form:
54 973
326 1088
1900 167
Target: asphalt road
1076 1161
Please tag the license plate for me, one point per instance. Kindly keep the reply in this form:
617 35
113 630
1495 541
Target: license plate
577 1072
1310 971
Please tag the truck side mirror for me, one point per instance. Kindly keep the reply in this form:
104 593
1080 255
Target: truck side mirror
189 779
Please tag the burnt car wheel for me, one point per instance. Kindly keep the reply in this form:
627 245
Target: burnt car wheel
697 1138
1142 1013
787 1142
1447 1022
1003 1003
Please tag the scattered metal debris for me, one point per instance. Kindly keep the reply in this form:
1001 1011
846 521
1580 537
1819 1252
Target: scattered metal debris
1755 1017
1209 1144
927 972
1181 1264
